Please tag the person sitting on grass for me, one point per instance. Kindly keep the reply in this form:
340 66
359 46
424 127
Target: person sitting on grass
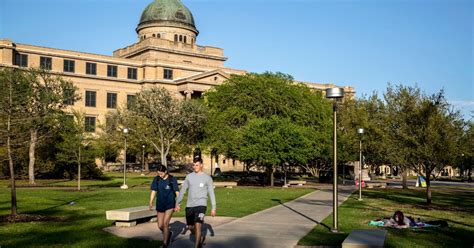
165 188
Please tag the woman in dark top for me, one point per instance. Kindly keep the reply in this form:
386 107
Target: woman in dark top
165 188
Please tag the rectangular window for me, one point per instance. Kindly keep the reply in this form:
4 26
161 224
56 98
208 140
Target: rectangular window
89 124
111 71
111 100
91 98
91 68
69 97
131 100
20 59
132 73
69 65
46 63
168 74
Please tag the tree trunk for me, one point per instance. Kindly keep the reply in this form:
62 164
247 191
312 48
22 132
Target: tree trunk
10 159
469 175
428 190
31 165
79 169
404 178
12 176
147 167
163 155
272 180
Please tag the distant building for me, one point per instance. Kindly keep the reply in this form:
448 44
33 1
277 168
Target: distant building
166 55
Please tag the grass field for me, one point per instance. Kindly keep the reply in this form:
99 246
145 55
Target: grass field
86 218
111 179
455 207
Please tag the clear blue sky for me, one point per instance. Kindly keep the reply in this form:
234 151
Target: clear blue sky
363 43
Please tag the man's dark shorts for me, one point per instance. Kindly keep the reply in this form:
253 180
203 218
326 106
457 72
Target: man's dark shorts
195 215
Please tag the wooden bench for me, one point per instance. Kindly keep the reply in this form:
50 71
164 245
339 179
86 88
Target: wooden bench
365 239
371 185
127 217
218 184
296 182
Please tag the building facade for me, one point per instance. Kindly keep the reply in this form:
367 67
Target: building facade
166 54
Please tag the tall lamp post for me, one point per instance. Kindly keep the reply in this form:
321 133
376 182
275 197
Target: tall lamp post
143 157
124 186
334 93
360 131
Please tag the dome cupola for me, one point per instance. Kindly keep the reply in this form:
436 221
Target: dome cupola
167 19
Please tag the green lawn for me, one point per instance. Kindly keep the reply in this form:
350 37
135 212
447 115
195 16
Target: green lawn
86 218
111 179
455 207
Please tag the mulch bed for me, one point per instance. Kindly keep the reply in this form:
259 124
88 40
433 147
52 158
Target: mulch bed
29 218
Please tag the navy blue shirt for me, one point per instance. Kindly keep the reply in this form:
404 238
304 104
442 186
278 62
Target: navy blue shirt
166 192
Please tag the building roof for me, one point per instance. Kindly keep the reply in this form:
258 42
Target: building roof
167 13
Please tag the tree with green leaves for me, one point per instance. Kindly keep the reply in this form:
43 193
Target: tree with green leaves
161 121
46 105
368 113
77 144
14 120
424 131
267 120
465 159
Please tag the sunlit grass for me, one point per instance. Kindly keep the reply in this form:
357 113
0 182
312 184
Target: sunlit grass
456 208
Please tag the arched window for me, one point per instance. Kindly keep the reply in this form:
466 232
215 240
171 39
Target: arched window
184 39
154 35
175 38
158 35
144 36
180 38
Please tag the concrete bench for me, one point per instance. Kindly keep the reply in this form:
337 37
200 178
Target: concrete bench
127 217
371 185
218 184
296 182
365 239
225 184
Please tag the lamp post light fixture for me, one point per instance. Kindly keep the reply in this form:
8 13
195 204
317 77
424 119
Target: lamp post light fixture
360 131
335 93
124 186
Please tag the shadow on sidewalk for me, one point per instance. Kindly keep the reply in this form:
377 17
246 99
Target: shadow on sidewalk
307 217
179 228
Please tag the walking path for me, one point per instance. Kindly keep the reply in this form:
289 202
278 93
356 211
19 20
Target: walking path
279 226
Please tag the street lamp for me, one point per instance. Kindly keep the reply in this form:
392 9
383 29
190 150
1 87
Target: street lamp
360 131
143 157
334 93
124 186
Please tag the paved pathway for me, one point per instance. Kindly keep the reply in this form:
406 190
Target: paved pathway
279 226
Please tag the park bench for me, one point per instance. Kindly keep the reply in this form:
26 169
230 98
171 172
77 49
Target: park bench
218 184
365 239
225 184
371 185
128 217
296 182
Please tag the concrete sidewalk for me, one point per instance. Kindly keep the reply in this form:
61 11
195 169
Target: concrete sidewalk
279 226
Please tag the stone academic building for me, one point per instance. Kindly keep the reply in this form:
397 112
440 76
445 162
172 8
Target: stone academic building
166 54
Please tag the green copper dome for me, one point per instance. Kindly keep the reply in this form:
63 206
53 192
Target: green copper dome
167 13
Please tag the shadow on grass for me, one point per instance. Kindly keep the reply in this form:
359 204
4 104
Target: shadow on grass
460 201
44 236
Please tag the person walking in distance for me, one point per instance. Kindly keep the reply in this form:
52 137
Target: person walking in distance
199 185
165 188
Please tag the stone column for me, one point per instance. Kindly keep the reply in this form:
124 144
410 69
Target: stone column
188 94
